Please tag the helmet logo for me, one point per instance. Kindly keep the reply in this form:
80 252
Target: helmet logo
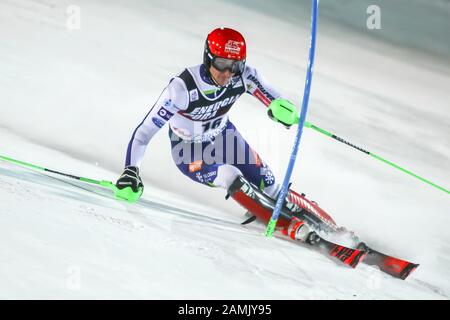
233 47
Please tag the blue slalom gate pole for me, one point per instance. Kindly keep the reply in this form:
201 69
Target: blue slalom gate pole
284 188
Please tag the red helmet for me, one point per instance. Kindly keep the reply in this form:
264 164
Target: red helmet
225 44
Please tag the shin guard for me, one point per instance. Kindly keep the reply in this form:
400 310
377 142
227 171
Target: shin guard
256 202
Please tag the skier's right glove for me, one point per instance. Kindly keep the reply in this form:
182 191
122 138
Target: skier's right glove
129 186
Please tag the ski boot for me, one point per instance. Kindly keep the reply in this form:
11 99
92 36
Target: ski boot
300 231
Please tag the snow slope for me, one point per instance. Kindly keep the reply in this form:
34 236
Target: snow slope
69 100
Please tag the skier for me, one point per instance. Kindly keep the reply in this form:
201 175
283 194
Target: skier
206 146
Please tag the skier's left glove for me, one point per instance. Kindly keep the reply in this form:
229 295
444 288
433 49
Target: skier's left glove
284 112
129 186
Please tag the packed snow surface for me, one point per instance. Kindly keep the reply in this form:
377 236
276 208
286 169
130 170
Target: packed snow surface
71 95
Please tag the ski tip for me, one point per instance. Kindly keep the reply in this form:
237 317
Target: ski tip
406 272
396 267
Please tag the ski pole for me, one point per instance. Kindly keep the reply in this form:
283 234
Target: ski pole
284 188
102 183
331 135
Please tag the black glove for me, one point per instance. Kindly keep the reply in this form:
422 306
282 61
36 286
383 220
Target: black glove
130 178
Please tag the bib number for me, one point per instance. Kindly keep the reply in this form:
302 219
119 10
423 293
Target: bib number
213 124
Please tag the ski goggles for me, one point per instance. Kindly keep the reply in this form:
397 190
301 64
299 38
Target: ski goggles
223 64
